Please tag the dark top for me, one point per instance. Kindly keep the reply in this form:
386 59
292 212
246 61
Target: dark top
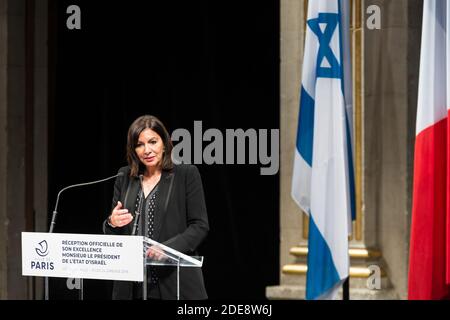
180 221
148 208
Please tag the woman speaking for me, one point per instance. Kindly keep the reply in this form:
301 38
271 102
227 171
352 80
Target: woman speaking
173 203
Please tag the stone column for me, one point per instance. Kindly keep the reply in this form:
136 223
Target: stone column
12 50
391 77
292 28
3 147
14 217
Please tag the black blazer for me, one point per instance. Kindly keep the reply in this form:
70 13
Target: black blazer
181 222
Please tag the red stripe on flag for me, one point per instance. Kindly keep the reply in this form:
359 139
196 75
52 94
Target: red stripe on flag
427 263
448 207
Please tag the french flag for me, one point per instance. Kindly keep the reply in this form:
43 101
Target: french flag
429 262
322 182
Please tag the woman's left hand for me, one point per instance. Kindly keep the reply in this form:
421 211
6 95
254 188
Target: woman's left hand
156 253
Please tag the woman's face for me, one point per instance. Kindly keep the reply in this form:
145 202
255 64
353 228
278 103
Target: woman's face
149 148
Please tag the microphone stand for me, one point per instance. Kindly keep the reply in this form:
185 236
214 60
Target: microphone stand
53 223
137 213
134 232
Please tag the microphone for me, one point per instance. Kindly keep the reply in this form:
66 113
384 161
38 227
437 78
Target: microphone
55 212
138 212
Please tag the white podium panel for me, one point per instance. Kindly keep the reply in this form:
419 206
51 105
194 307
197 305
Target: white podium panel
84 256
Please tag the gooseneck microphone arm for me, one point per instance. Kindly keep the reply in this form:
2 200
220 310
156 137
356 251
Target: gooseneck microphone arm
55 211
138 212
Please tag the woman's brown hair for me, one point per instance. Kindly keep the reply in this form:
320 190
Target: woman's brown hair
139 125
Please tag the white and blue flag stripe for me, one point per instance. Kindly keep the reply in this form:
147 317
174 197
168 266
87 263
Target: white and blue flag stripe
323 183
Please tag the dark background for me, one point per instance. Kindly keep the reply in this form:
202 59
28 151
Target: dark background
214 61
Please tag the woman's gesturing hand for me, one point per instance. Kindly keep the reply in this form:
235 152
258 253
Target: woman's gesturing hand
120 217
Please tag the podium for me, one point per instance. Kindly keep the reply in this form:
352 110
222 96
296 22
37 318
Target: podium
101 257
167 257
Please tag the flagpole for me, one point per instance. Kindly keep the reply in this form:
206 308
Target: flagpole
346 289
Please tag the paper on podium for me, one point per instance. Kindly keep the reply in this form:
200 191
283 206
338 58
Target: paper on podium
169 256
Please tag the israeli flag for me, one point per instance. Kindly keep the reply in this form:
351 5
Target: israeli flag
323 179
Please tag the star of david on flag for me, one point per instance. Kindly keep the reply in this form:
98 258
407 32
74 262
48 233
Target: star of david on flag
323 178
